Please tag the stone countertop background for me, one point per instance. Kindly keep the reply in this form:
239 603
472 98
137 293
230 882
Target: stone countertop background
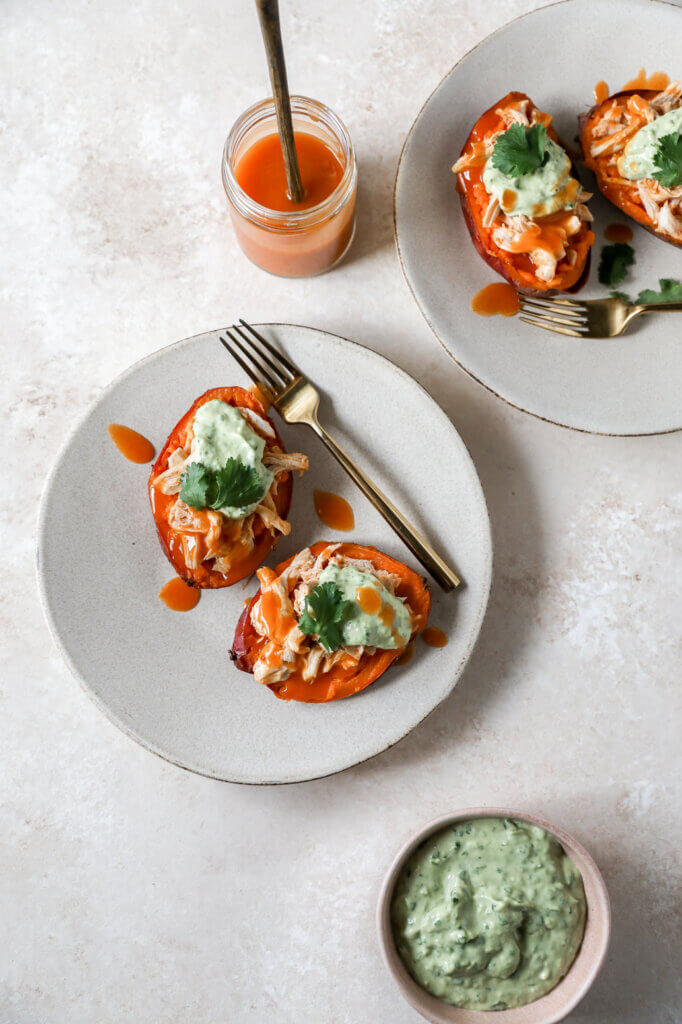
132 890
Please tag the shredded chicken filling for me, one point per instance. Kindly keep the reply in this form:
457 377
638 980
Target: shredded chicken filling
290 650
207 534
619 123
546 241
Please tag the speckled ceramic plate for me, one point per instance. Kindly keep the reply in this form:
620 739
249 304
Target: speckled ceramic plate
626 385
164 677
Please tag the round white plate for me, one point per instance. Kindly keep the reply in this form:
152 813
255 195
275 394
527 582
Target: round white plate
165 677
626 385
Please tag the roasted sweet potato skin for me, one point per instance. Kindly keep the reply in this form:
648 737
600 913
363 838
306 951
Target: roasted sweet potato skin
338 682
623 197
516 269
204 576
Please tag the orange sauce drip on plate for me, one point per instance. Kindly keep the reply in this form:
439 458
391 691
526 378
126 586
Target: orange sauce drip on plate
369 600
656 80
601 92
334 511
261 174
496 298
131 444
618 233
434 637
179 596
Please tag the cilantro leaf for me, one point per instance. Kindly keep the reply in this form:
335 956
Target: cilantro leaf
235 485
325 607
668 159
671 291
614 263
620 295
520 150
195 484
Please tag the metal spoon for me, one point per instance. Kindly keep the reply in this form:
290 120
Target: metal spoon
268 13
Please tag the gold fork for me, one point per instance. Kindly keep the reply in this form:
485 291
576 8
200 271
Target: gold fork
297 401
595 318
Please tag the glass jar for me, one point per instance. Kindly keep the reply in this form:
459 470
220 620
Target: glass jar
296 243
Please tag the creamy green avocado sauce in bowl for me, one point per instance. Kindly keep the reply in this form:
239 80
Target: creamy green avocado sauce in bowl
489 914
493 912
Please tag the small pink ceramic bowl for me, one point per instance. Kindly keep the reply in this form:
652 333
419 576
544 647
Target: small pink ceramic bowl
552 1007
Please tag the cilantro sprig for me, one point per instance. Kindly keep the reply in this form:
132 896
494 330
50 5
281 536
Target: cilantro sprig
325 607
614 263
235 485
520 150
668 160
670 291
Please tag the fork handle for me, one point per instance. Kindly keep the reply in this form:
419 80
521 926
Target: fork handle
419 547
660 307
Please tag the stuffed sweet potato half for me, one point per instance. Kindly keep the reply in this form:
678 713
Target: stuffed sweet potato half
525 209
329 621
221 488
633 143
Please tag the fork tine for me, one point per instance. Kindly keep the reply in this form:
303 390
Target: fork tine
551 300
284 360
574 322
260 375
575 315
549 326
251 348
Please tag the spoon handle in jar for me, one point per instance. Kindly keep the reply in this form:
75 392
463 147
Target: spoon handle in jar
268 13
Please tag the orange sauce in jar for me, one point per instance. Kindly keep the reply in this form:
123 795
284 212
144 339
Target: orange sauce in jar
334 511
498 298
179 596
261 173
618 233
283 237
131 445
657 80
434 637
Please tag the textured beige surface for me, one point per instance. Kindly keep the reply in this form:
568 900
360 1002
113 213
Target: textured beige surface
134 891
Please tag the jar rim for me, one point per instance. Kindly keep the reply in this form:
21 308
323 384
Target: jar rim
288 220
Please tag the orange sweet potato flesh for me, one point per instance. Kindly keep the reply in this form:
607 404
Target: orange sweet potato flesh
517 268
624 197
205 576
339 682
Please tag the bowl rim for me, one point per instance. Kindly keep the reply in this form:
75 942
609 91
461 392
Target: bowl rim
597 926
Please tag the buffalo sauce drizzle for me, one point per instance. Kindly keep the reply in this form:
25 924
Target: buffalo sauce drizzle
657 80
260 392
277 622
369 600
434 637
407 655
179 596
498 298
601 91
618 233
334 511
132 446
